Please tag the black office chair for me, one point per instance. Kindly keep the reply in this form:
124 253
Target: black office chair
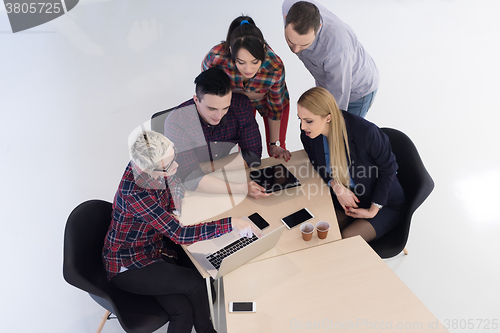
417 185
158 120
83 268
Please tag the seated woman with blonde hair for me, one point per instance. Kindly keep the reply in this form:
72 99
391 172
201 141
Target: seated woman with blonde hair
354 157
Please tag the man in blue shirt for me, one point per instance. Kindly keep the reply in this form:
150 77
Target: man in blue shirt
332 53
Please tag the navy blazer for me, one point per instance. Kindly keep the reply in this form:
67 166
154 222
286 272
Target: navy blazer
373 165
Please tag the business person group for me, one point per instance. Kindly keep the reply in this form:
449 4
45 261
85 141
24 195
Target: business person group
240 77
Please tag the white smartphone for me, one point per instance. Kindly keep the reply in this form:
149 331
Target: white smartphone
242 307
297 218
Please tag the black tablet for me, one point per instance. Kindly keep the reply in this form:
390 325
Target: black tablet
274 178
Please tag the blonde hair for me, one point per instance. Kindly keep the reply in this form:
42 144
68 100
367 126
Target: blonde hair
148 149
320 102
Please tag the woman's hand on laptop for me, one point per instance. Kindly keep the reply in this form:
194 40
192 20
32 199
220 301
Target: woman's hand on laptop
256 191
245 228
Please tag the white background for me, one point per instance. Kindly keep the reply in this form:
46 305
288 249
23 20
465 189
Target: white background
73 89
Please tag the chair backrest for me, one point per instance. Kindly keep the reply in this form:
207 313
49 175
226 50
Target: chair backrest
83 242
412 174
417 185
158 120
83 268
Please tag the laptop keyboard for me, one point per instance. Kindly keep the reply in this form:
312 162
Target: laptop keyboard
217 257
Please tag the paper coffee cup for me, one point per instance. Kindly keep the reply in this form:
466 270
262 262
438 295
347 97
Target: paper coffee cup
322 227
307 230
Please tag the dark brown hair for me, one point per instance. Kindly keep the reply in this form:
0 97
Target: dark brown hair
304 16
243 33
213 81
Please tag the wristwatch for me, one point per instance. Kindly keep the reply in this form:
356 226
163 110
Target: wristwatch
377 205
277 143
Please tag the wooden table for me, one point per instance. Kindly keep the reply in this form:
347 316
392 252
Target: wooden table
313 194
342 286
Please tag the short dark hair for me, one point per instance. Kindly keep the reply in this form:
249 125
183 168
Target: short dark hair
304 16
213 81
246 36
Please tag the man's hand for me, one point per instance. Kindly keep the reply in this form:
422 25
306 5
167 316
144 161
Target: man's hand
243 227
256 191
278 152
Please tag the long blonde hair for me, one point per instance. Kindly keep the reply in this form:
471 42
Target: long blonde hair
320 102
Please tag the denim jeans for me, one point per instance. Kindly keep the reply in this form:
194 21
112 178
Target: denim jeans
360 106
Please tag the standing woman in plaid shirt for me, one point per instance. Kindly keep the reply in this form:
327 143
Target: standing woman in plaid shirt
256 71
141 252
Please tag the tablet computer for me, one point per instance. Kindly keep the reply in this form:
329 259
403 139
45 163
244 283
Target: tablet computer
274 178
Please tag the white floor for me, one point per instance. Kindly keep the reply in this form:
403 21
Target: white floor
74 88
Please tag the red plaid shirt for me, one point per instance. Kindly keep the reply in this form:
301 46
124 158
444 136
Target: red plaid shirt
270 79
142 216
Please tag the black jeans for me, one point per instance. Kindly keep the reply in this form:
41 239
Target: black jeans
180 290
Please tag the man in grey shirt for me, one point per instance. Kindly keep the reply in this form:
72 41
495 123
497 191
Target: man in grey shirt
332 53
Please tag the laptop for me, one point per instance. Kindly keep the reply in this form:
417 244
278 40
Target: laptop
219 256
274 178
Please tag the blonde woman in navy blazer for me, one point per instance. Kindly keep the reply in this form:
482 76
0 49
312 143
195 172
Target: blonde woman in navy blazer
354 157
